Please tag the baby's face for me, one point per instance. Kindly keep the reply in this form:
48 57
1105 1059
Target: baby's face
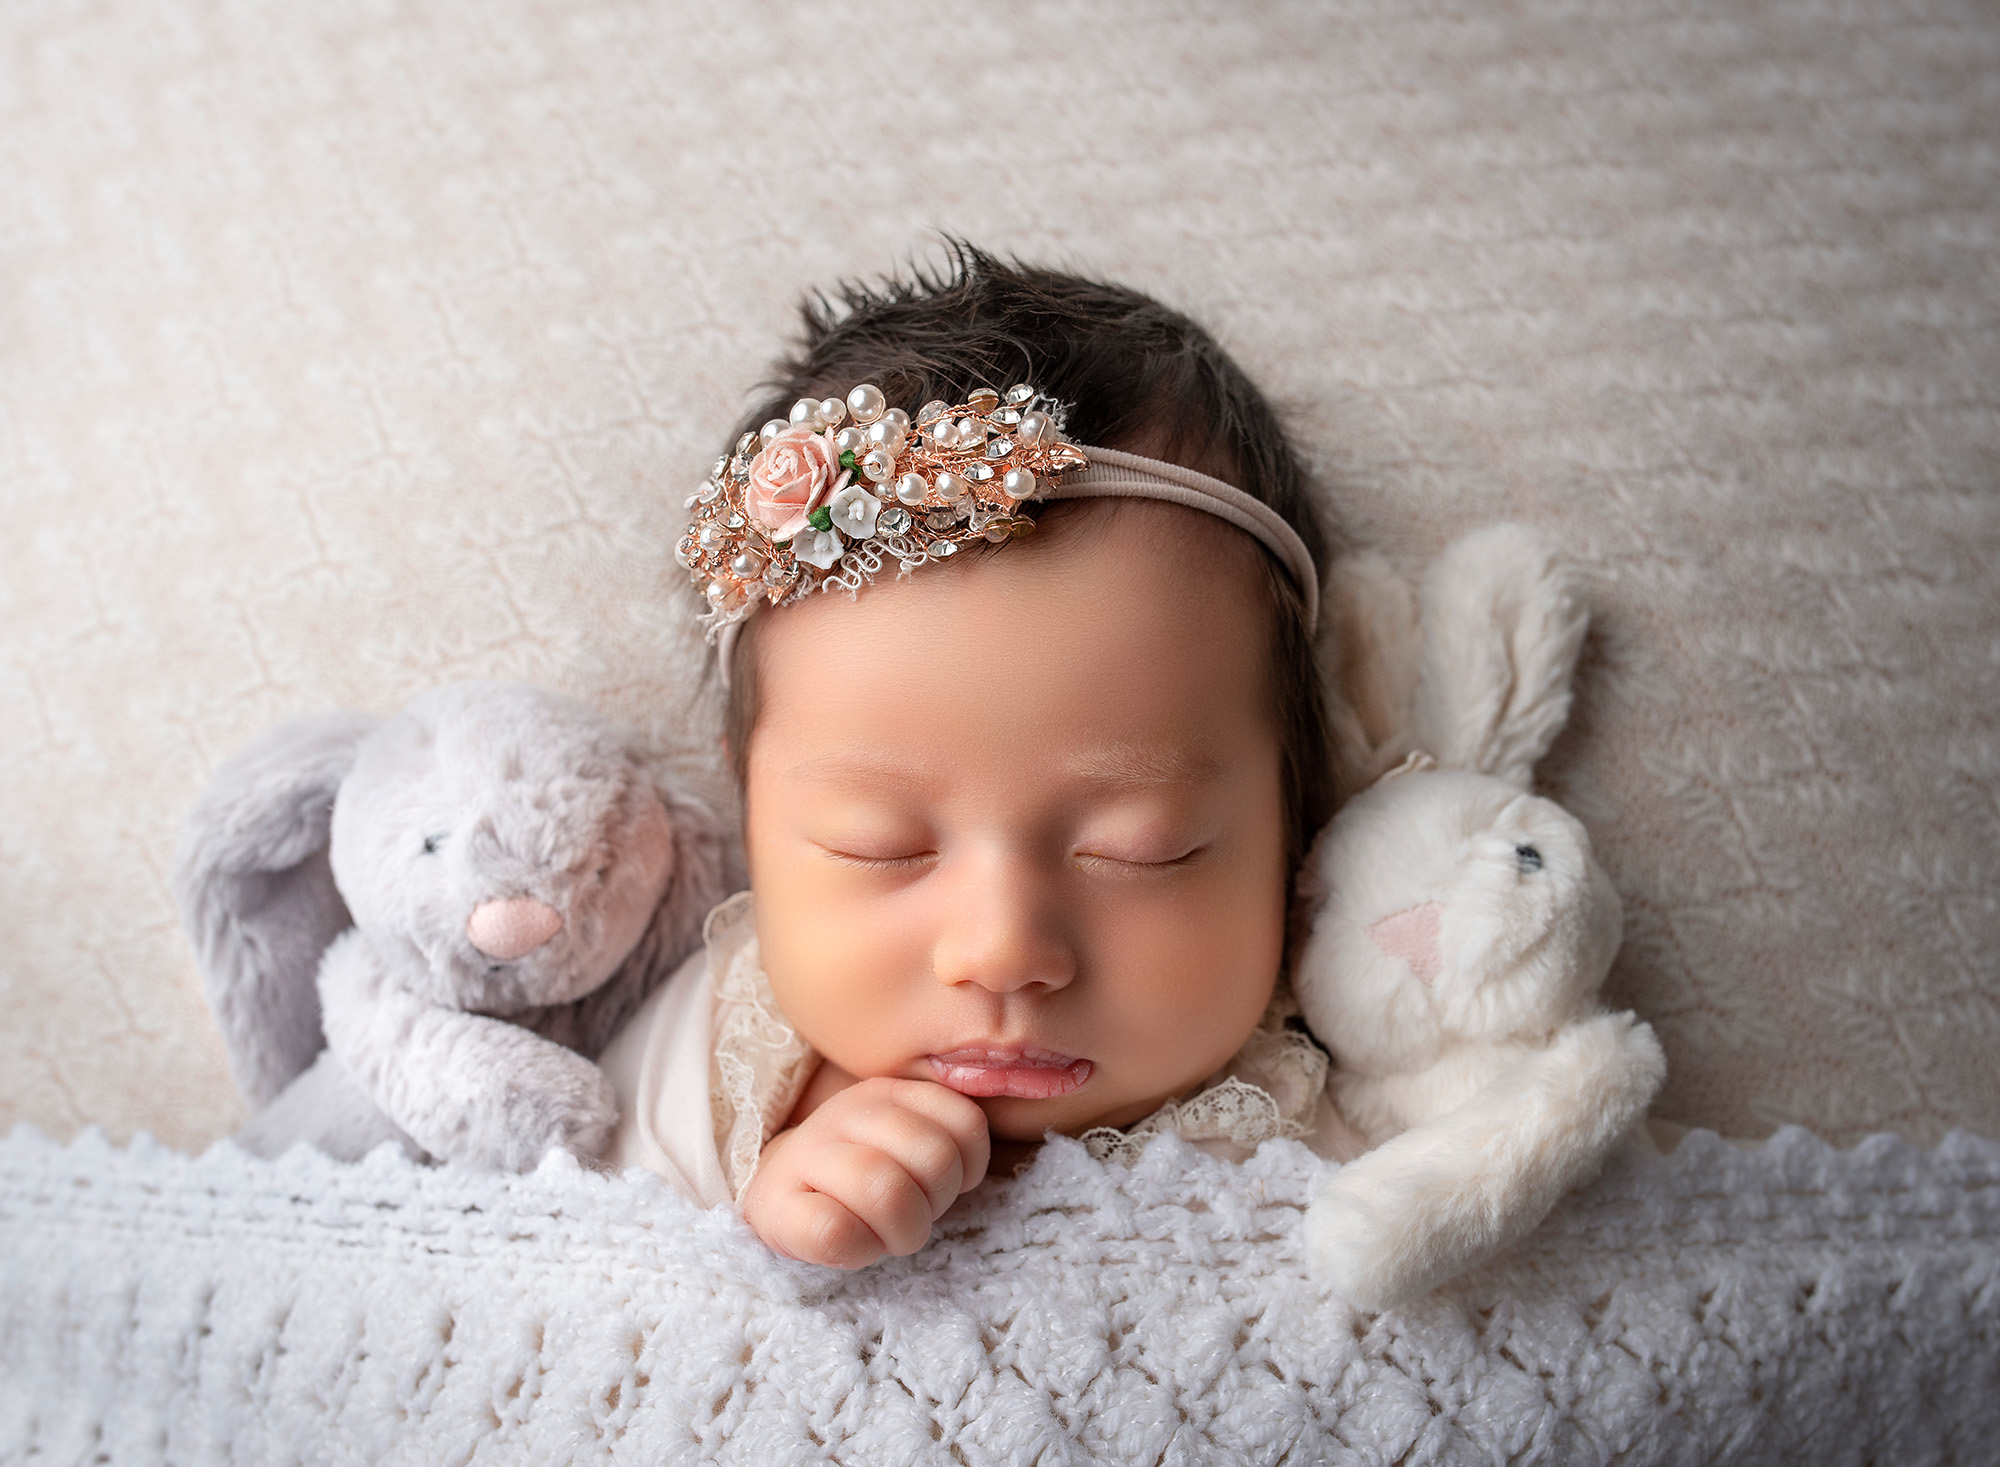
1014 823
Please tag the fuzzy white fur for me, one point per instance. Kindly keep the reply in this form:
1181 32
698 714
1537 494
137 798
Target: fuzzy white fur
329 876
1461 932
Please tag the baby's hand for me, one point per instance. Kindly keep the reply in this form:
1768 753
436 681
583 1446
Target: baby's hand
867 1173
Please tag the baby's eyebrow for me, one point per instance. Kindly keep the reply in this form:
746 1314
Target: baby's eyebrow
1115 765
1136 764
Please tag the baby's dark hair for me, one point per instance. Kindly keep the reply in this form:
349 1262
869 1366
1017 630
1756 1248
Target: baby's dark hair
1134 374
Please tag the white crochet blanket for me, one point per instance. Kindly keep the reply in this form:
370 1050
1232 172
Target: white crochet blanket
1790 1303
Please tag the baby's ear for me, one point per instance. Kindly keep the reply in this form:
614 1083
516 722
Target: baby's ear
258 897
1503 621
1371 633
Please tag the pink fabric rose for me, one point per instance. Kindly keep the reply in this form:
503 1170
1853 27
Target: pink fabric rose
789 478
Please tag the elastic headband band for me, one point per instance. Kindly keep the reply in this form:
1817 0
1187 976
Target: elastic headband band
1116 475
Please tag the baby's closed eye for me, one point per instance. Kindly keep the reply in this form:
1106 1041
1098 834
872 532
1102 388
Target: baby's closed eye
1158 848
876 850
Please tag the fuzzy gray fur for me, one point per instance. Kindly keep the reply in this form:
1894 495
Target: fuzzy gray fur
327 876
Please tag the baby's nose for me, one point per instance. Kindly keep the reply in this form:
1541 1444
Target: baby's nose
512 927
1002 941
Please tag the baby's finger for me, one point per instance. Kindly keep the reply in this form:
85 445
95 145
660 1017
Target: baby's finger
816 1227
876 1188
961 1118
932 1156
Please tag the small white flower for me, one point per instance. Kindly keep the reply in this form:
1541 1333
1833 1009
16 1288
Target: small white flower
816 547
854 510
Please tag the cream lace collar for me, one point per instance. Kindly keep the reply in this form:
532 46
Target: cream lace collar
761 1066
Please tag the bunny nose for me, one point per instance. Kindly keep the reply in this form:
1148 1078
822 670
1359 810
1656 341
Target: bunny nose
512 928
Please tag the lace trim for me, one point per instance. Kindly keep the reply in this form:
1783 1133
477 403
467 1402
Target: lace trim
1268 1090
761 1066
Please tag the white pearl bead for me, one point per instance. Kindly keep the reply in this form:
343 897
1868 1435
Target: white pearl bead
944 433
805 413
866 402
900 418
911 488
885 434
949 485
1035 429
1018 484
832 411
879 465
850 440
772 429
746 565
717 592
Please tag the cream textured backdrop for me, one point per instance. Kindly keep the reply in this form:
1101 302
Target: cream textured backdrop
345 348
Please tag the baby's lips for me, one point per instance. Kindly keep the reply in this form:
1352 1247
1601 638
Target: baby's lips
1016 1074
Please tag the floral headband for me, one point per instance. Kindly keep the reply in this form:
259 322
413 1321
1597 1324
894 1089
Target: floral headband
832 496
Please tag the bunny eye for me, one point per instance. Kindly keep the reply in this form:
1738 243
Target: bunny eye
431 844
1528 858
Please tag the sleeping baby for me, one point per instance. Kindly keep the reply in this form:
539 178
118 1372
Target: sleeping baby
1024 799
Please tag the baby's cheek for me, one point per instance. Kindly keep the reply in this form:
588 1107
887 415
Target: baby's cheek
1190 993
842 982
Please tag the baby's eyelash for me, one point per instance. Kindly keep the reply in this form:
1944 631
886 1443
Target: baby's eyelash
876 863
1178 861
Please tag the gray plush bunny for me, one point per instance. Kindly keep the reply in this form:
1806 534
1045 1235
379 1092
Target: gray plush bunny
422 928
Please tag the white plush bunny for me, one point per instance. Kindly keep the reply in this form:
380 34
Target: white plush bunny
422 928
1461 932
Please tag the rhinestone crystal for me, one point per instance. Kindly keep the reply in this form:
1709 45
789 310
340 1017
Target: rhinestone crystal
982 399
1000 448
979 473
1020 392
932 409
944 548
892 521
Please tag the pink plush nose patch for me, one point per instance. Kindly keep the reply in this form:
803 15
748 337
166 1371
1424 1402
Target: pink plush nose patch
1412 935
512 928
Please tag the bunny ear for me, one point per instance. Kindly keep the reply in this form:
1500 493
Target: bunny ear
675 931
1503 621
258 896
1371 670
